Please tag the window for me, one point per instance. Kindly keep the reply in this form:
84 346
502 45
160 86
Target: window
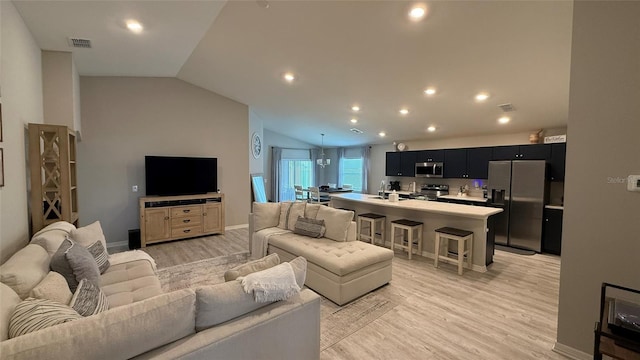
295 169
352 168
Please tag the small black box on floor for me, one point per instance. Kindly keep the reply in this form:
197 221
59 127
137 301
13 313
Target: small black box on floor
134 239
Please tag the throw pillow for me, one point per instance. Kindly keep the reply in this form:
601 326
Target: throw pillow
311 210
299 266
36 314
60 264
252 266
309 227
89 234
100 255
265 215
53 287
89 299
83 264
337 222
25 269
284 215
295 210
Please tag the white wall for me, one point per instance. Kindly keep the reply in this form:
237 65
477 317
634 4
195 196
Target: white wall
21 75
256 166
58 88
126 118
601 233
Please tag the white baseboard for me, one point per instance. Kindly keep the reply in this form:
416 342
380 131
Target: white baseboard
233 227
571 352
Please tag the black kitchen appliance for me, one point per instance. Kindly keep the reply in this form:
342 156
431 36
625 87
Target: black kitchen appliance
394 185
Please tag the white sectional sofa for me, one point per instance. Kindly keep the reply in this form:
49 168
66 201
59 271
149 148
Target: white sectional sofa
339 267
218 321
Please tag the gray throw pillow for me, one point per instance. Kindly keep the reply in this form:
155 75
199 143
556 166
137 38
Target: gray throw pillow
100 255
89 299
266 262
309 227
60 264
83 264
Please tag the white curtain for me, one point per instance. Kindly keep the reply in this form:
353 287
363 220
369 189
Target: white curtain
276 157
316 173
340 164
366 167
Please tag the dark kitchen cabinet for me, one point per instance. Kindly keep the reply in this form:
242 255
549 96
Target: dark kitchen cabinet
557 163
470 163
401 164
430 156
552 236
522 152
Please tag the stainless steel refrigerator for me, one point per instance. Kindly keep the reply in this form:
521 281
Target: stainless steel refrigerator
520 188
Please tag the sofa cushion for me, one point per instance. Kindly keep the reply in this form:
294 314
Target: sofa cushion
289 212
311 210
89 299
223 302
251 267
265 215
340 258
120 333
53 287
336 221
25 269
309 227
8 301
36 314
100 255
51 236
89 234
130 282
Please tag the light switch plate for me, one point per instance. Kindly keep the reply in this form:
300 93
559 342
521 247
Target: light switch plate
633 183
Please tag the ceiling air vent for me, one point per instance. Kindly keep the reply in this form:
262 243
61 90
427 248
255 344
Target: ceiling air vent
80 43
508 107
356 131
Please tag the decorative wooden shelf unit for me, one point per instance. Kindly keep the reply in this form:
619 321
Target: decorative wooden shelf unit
54 186
165 218
607 342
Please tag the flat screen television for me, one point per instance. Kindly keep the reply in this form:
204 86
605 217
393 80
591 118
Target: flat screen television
172 175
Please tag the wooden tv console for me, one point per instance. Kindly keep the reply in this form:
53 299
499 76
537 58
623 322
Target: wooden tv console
166 218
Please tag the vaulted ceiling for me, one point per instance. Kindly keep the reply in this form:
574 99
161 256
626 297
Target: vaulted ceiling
342 53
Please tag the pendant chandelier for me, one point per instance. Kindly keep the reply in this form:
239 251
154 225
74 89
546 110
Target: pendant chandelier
322 162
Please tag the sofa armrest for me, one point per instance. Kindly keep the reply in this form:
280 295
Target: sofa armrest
251 230
119 333
282 330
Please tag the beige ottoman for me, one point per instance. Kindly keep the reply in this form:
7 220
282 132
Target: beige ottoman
340 271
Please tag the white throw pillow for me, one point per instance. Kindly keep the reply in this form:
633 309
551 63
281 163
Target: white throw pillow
25 269
296 209
265 215
311 210
89 234
284 214
337 222
53 287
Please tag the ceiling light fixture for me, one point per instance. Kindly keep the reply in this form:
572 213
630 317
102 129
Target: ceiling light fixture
354 121
322 162
134 26
504 120
430 91
482 97
404 111
289 77
382 134
431 128
355 108
417 12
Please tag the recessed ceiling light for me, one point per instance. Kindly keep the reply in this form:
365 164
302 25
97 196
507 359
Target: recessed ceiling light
430 91
482 97
382 134
354 121
417 12
355 108
404 111
504 120
431 128
134 26
289 77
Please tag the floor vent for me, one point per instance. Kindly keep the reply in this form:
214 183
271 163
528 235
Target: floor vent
80 43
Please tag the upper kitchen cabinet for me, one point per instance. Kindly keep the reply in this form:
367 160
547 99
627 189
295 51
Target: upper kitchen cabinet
522 152
557 163
430 156
401 164
470 163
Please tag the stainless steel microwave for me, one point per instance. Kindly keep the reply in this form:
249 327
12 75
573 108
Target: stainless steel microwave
429 169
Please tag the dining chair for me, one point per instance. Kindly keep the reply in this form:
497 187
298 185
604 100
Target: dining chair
299 193
315 197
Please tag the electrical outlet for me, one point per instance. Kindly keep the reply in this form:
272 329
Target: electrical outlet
633 183
134 188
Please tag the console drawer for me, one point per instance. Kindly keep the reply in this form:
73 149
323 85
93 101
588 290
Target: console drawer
186 221
186 210
186 231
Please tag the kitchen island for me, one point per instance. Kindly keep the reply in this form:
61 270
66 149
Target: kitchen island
434 215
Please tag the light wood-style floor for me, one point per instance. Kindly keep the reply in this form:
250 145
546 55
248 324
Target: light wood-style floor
509 312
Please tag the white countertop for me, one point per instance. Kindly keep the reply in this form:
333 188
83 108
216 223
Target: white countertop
556 207
465 198
476 212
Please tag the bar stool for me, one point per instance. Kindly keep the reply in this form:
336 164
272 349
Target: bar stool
372 220
410 226
462 237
